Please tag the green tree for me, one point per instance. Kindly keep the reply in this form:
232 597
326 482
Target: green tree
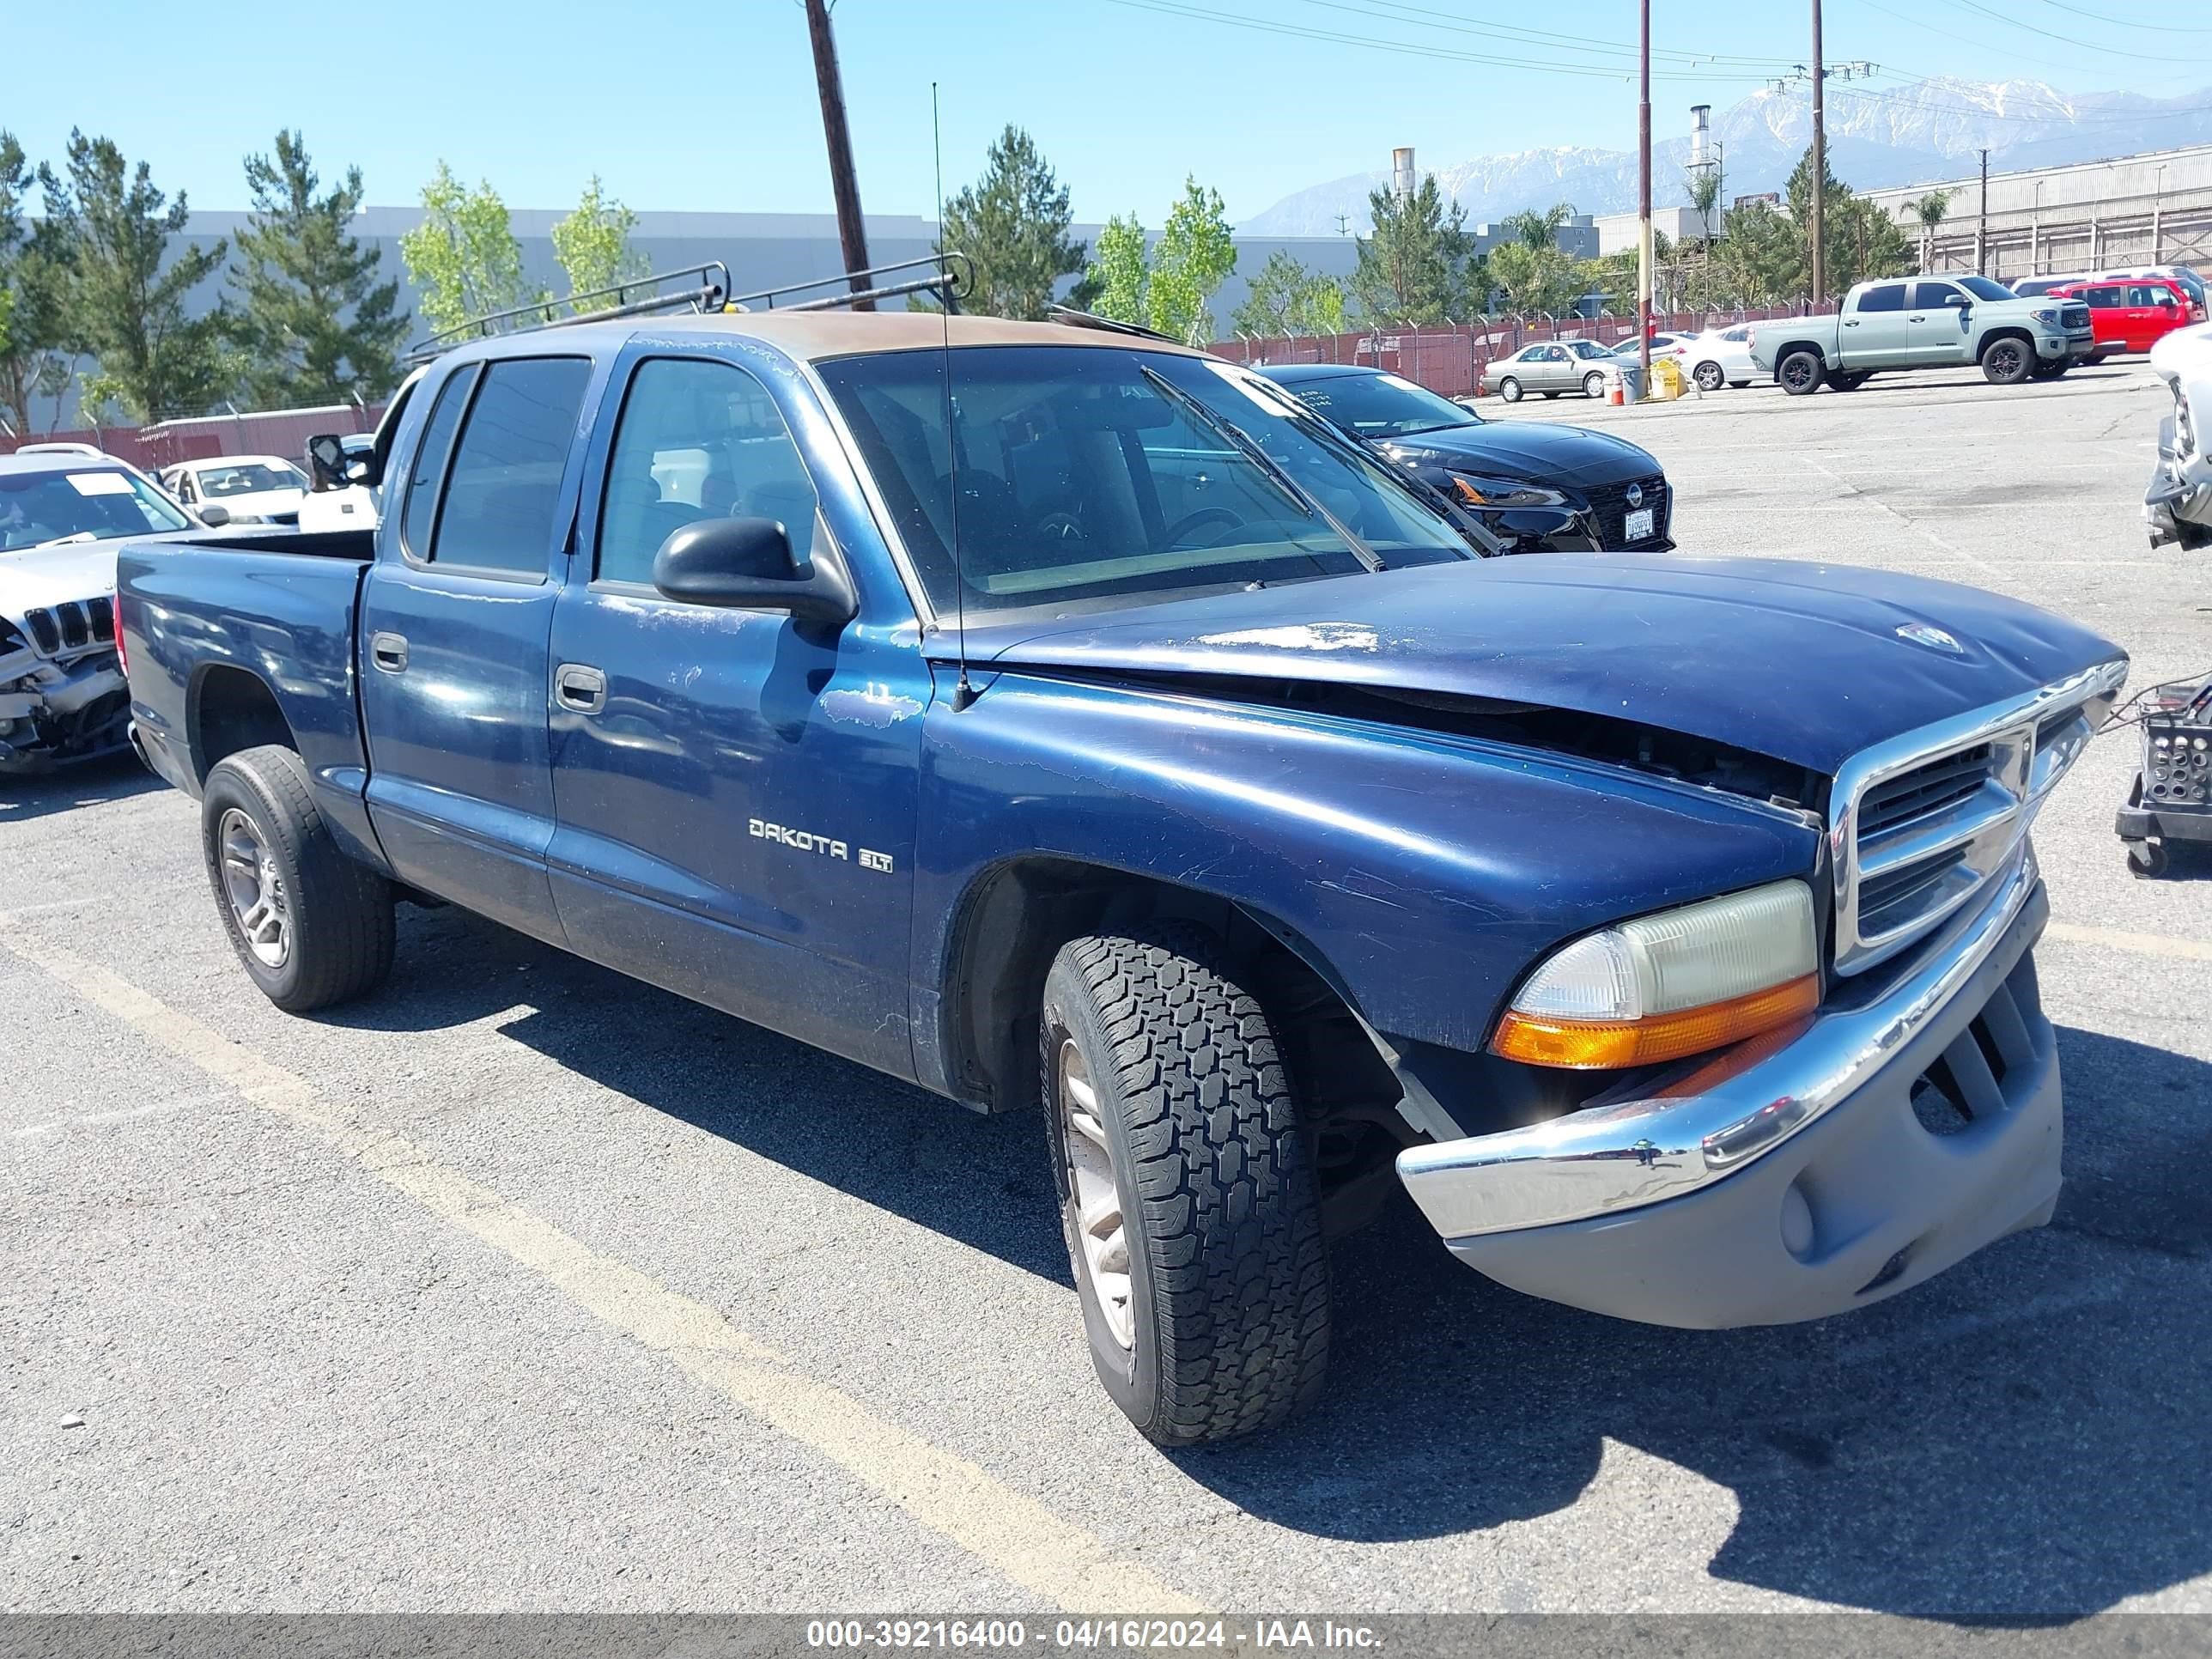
592 245
1527 279
1539 231
312 322
1419 265
1012 225
1761 259
1930 209
1286 298
463 257
1121 270
110 230
1196 255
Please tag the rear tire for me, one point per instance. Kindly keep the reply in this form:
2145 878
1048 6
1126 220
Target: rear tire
1510 389
1800 372
312 926
1710 377
2007 362
1188 1195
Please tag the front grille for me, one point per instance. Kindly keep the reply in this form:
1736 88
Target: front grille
2074 316
1925 820
73 626
1609 506
1923 791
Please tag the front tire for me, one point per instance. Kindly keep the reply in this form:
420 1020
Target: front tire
1594 385
1510 389
1710 377
2007 362
1188 1195
311 926
1800 372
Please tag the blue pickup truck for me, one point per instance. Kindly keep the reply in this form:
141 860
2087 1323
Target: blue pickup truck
1052 716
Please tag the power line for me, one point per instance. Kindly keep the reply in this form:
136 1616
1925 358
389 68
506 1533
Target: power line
1407 48
2069 41
1459 23
2161 28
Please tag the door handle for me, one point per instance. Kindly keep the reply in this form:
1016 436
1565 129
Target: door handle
1915 317
1850 322
581 688
388 652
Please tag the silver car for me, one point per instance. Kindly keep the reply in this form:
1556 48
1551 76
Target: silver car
1550 367
1719 357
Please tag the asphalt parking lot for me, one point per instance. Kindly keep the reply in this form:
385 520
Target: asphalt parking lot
523 1286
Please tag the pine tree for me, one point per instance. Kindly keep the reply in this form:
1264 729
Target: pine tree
1012 225
1419 266
109 231
313 324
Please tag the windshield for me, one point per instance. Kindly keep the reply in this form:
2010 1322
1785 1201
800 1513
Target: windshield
1983 288
1081 483
94 504
246 478
1378 405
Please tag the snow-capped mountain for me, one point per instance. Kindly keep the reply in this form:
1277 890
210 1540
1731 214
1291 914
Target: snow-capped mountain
1932 130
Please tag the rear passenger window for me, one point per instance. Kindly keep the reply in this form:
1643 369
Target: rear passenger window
697 440
497 512
2104 299
429 463
1890 296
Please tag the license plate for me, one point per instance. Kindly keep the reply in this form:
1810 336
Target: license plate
1639 525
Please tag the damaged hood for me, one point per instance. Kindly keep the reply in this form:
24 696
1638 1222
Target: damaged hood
35 578
1805 663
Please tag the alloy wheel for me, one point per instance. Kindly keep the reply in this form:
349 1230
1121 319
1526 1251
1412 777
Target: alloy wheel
1096 1227
255 889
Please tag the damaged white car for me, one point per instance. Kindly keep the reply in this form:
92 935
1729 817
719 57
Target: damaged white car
62 692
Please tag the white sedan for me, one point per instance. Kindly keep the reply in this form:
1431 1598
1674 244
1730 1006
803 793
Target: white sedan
1719 357
249 489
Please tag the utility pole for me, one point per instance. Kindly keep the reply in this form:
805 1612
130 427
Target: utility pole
851 233
1820 232
1644 206
1982 228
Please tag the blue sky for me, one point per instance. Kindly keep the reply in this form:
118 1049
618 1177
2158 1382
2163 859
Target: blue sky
717 111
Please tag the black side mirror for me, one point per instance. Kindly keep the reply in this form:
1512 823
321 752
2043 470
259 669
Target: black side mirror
746 564
212 516
333 468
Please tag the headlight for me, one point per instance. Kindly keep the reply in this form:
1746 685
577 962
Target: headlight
1662 987
2048 319
1503 492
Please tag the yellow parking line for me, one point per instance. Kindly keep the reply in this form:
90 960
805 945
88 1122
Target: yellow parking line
1013 1534
2149 945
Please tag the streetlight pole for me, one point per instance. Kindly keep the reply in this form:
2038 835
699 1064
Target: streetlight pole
1643 205
1820 167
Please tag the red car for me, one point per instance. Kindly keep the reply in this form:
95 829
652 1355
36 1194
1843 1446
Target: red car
2131 315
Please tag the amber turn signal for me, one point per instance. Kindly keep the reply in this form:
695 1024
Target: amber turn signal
1612 1045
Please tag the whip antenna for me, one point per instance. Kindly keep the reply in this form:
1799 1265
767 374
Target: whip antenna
963 692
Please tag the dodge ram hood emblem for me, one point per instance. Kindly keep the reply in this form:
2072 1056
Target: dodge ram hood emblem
1928 634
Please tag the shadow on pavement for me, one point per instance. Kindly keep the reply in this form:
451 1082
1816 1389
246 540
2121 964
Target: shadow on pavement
2027 1436
24 797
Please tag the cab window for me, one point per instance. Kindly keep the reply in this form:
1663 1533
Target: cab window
1889 296
498 508
1934 296
697 440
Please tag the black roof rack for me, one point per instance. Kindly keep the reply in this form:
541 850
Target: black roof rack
706 290
951 277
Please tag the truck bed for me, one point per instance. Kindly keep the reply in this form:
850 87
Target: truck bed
259 626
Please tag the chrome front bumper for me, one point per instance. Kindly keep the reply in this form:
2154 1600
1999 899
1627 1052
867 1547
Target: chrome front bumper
1763 1155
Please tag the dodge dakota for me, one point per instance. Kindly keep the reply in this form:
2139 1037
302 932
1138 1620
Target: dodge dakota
1928 322
1052 716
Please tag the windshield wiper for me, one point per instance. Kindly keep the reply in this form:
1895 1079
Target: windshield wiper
1329 435
1272 470
60 541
